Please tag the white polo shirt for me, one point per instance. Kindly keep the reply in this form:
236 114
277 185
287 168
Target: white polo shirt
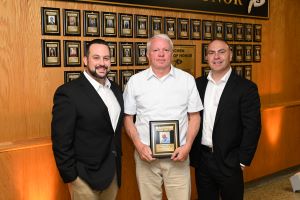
168 98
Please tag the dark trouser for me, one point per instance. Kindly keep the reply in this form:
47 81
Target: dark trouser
212 184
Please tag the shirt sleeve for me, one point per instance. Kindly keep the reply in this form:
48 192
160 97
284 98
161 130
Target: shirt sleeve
194 102
129 98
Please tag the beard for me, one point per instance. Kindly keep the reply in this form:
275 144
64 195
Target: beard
94 72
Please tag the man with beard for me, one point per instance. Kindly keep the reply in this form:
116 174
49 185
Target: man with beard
86 129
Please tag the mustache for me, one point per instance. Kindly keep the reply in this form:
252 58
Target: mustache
101 66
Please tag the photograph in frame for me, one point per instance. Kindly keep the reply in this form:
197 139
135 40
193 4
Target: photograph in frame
141 26
109 24
141 53
125 25
71 75
195 29
239 32
256 53
207 30
248 53
126 53
248 72
72 22
204 53
91 23
51 56
113 53
183 28
113 76
170 27
72 52
164 137
229 34
156 25
205 71
248 32
239 70
219 30
257 30
50 21
239 53
124 77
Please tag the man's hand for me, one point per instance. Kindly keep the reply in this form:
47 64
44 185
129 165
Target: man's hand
145 152
181 153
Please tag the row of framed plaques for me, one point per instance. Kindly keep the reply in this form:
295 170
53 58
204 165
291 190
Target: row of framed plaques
241 53
241 70
110 24
119 76
129 53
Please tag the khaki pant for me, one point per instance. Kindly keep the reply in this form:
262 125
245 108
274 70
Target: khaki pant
174 175
80 190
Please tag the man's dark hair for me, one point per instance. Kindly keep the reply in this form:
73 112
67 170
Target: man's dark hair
95 41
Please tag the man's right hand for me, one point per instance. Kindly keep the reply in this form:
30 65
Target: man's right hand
145 152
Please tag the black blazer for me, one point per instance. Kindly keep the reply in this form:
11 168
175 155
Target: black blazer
237 124
83 140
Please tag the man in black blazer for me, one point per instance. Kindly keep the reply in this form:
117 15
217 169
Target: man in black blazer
229 131
86 129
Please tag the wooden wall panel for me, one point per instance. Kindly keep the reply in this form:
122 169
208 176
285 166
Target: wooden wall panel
26 92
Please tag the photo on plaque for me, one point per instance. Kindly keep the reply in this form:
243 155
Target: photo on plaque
229 35
124 77
219 30
113 76
109 24
257 29
72 22
256 53
164 137
72 53
71 75
126 53
239 32
248 32
183 28
170 27
141 53
113 53
248 72
239 53
204 53
156 25
239 70
141 26
205 71
248 53
125 25
51 53
50 21
91 23
195 29
207 30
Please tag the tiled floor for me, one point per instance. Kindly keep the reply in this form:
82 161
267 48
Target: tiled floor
275 187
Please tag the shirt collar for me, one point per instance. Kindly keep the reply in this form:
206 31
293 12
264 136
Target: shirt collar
95 83
224 79
151 74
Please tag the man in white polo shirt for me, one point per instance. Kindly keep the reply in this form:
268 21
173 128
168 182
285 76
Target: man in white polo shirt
161 93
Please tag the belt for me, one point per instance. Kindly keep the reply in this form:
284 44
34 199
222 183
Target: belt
207 148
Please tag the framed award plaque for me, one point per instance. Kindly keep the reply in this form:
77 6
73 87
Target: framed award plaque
51 53
183 28
71 75
50 21
126 53
164 137
72 22
141 26
156 25
109 24
229 35
170 27
125 25
91 22
72 52
207 30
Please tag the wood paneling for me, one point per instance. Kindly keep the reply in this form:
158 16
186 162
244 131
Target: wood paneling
26 91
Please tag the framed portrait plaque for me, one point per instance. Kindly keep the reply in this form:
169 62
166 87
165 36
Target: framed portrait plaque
219 30
141 26
239 53
72 22
126 53
71 75
141 53
239 32
170 27
164 137
124 77
125 25
72 52
248 72
183 28
256 53
248 53
51 53
50 21
156 25
113 53
91 22
109 24
204 53
113 76
257 32
229 34
239 70
207 30
248 32
195 29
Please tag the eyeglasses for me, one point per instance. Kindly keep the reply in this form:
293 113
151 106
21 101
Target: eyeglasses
220 52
